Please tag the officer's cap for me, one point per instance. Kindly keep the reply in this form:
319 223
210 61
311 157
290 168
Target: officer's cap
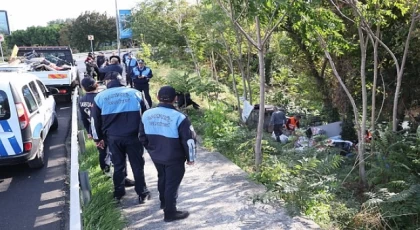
167 94
89 84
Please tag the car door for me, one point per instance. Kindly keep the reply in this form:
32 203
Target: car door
42 108
10 132
36 115
48 103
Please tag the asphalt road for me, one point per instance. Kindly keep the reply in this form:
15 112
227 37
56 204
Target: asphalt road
35 199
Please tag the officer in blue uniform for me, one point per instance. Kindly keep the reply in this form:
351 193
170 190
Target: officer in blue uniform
130 64
85 105
142 75
115 119
170 139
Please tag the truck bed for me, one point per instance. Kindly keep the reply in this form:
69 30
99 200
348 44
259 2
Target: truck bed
50 78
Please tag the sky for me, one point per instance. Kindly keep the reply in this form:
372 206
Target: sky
26 13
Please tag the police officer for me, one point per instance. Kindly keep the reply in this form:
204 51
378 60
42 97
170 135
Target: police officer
130 64
112 109
142 75
125 57
170 139
85 105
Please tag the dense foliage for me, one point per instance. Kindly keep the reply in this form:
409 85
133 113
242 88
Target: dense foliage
72 32
314 47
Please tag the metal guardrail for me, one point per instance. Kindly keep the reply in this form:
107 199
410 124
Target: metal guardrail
75 222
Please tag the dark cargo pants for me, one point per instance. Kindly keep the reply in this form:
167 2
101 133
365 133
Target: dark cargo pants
169 179
119 148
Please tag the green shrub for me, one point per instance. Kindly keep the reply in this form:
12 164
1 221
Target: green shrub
102 211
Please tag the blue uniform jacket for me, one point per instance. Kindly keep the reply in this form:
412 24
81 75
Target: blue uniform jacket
168 135
116 112
137 72
130 63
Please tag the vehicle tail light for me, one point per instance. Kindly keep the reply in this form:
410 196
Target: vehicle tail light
22 115
27 146
62 91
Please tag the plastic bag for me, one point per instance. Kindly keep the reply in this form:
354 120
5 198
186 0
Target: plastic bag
273 135
284 139
247 109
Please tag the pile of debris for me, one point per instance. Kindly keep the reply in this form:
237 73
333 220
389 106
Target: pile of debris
321 138
37 62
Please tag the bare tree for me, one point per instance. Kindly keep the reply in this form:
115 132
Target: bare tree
259 44
399 66
375 72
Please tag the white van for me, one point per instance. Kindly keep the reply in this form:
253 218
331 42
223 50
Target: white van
27 114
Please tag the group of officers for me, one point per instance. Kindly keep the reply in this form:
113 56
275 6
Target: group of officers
121 125
138 74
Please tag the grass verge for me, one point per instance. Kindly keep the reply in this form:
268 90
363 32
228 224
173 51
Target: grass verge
102 212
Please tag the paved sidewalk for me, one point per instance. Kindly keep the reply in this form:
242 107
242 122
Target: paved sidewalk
218 195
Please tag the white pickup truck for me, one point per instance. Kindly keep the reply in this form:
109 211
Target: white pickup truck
56 67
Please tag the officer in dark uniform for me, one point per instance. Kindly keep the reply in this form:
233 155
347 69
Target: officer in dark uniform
85 105
115 118
130 63
170 139
142 75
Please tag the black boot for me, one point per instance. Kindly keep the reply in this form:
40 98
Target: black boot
129 183
144 197
178 215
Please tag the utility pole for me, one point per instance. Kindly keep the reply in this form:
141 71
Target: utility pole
117 21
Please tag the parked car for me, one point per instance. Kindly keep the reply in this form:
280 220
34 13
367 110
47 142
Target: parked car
27 114
54 65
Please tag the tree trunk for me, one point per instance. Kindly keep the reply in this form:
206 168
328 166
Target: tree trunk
375 81
236 92
340 80
248 74
232 70
362 128
216 76
400 74
261 113
240 59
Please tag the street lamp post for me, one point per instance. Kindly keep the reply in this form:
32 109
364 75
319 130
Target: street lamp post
117 21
